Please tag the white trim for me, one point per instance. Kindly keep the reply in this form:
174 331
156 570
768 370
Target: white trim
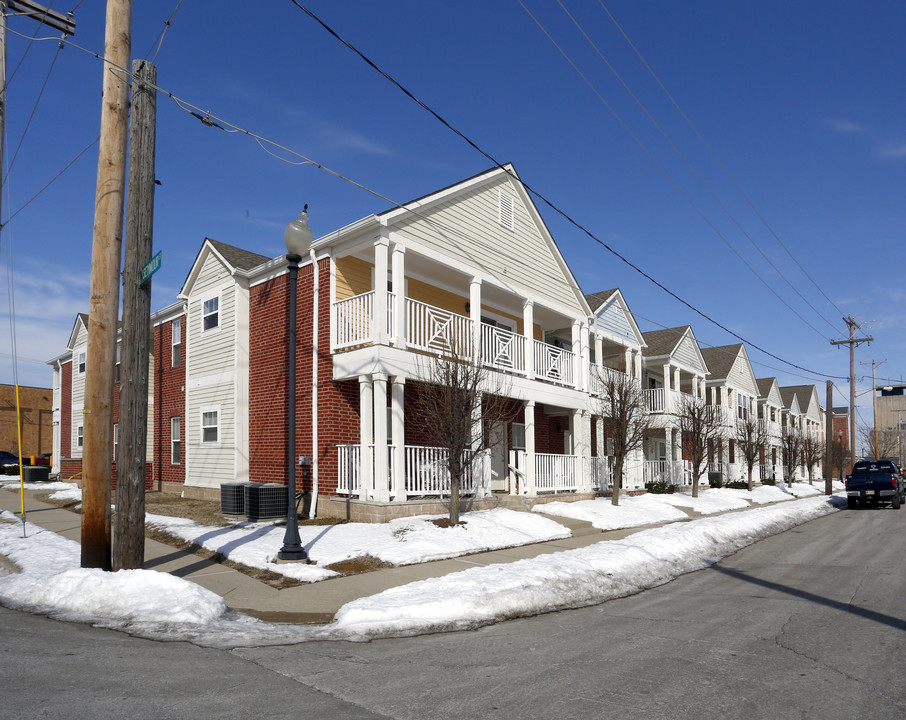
174 335
178 420
201 413
204 314
241 382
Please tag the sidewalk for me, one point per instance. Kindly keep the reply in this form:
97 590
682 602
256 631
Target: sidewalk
310 603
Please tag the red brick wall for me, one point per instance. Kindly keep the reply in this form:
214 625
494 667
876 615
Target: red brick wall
66 410
338 402
550 432
169 402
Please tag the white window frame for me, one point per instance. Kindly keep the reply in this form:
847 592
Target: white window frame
175 440
116 440
205 314
513 434
81 362
80 436
119 358
202 426
176 342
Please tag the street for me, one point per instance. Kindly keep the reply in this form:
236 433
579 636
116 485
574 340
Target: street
807 624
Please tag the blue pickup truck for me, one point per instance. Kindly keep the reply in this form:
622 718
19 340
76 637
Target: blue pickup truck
874 481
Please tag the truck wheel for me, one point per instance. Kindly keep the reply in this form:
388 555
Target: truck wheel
852 503
896 501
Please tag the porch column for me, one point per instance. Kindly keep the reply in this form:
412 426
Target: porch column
333 301
398 433
528 331
599 350
366 434
668 454
627 361
582 419
475 315
530 449
677 380
381 247
398 280
381 451
584 357
577 354
668 406
481 482
638 364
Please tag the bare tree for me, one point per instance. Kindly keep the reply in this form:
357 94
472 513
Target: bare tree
812 452
624 407
700 427
839 457
791 442
751 438
880 443
455 406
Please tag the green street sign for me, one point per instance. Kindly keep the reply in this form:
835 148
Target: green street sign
149 268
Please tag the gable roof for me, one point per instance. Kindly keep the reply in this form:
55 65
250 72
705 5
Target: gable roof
232 258
602 302
721 359
769 391
806 394
679 344
663 342
790 401
81 320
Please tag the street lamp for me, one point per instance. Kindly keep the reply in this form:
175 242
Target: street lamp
298 241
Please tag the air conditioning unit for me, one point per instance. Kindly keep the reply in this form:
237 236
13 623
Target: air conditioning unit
35 473
264 501
232 497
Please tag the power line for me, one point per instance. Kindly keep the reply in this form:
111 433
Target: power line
686 162
163 33
547 202
208 118
717 159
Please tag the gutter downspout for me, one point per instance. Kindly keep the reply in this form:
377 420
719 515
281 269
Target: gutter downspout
314 385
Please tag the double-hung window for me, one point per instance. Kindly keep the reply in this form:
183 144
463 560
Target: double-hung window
81 362
210 313
175 441
210 425
176 356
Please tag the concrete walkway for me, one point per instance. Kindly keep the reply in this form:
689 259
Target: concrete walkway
310 603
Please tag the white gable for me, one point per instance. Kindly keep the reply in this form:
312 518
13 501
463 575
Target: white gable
687 354
773 396
490 223
741 376
613 320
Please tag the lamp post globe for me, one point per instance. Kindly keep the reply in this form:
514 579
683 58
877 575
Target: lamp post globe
298 238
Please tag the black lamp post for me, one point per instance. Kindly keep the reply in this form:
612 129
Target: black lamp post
298 241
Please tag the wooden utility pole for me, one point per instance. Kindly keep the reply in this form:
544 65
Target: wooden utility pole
129 535
874 405
104 293
829 439
852 342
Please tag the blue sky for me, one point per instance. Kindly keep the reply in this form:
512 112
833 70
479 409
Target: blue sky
803 104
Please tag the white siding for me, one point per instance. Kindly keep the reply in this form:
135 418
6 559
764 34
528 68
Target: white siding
741 377
611 319
210 376
686 354
467 227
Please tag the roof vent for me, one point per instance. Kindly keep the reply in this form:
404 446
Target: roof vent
507 207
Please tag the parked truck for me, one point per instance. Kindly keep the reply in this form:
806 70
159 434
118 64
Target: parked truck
874 481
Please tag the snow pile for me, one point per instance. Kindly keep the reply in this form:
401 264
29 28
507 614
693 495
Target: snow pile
404 541
52 582
604 515
603 571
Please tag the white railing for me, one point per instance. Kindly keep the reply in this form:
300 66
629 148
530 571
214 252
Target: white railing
502 349
675 472
555 473
597 377
554 364
602 473
425 467
436 330
659 400
353 320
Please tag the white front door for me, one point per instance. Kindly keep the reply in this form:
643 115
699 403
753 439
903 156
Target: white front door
497 440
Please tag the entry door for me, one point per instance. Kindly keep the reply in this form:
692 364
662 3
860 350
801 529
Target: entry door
499 449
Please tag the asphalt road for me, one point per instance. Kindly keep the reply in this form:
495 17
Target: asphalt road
807 624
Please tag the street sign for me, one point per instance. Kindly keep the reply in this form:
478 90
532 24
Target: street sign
149 268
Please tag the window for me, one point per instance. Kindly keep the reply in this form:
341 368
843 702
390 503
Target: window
175 441
742 406
119 353
176 330
773 415
210 314
80 436
210 425
81 362
518 436
116 440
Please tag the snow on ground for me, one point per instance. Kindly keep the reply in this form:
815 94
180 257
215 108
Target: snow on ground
404 541
604 515
160 606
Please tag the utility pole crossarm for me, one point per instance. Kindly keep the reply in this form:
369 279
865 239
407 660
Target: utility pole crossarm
853 342
51 18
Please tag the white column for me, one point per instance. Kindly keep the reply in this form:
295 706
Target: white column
381 451
677 380
667 377
366 434
475 315
583 450
528 331
638 364
398 428
398 274
482 482
381 247
577 354
585 358
627 361
530 449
